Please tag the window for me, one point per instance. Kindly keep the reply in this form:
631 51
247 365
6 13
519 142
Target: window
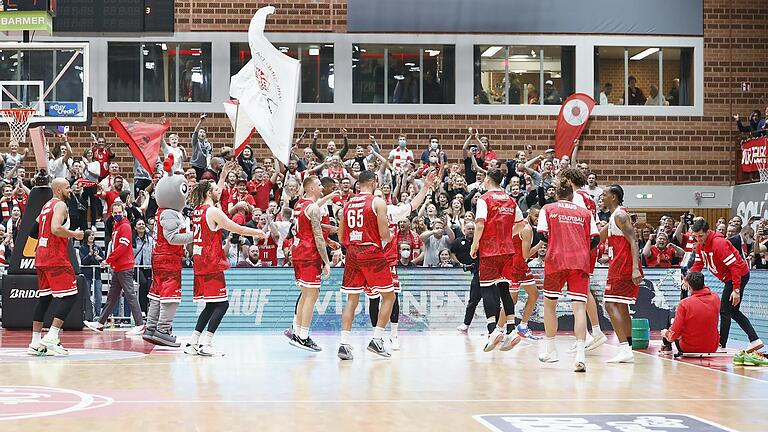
317 76
403 74
648 76
159 72
523 75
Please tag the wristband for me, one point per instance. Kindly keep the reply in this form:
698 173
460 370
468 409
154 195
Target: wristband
737 291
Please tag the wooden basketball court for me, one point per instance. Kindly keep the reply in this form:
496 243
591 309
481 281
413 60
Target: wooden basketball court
436 382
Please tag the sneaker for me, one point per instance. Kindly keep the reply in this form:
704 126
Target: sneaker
311 345
137 330
549 357
148 335
164 339
494 339
37 350
208 350
595 342
510 341
394 343
579 367
623 357
665 349
738 358
192 349
288 333
345 352
376 346
305 344
754 346
94 325
526 333
462 327
589 339
53 346
755 359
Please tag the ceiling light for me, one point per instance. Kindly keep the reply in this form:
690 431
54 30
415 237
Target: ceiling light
491 51
645 53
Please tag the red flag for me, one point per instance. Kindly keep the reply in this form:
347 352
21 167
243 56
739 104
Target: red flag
144 140
571 123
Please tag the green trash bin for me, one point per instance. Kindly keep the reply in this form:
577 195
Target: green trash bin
641 333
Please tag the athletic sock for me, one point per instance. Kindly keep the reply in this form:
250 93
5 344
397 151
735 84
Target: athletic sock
596 331
629 341
295 325
36 336
523 325
510 324
549 343
378 332
207 338
53 332
303 332
345 335
580 356
393 333
195 338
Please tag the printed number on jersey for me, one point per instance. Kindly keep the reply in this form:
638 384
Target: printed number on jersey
197 237
355 219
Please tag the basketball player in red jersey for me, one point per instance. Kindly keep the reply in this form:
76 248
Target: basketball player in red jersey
570 233
209 263
57 285
363 230
624 272
497 221
396 214
581 198
310 259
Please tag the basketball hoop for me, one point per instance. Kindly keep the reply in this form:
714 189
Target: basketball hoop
762 168
19 119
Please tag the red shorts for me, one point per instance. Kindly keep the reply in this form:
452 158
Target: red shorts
210 288
592 260
577 280
166 286
496 268
621 291
308 273
371 276
56 281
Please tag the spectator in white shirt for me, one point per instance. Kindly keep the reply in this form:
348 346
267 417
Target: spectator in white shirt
61 160
401 155
592 188
607 89
539 260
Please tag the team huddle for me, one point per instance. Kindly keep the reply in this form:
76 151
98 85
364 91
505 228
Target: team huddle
503 241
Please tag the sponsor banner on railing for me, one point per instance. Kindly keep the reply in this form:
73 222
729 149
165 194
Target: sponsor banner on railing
435 299
753 154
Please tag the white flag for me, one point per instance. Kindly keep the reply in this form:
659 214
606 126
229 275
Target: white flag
267 88
241 124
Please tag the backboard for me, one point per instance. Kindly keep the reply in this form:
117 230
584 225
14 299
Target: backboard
52 78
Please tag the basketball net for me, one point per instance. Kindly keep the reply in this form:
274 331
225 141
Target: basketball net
19 119
762 168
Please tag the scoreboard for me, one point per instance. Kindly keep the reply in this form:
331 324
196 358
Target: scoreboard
112 16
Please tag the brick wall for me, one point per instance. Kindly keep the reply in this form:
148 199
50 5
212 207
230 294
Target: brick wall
626 149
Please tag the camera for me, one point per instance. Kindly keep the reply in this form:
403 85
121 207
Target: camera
688 218
633 218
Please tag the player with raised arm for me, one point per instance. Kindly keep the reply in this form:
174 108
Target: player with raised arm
624 272
363 231
209 263
310 260
497 221
57 285
570 233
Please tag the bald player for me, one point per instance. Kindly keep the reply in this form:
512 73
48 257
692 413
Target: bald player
57 285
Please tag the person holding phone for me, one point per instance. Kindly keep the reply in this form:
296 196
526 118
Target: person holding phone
202 150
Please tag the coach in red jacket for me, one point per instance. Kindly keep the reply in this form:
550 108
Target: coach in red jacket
695 327
725 262
121 261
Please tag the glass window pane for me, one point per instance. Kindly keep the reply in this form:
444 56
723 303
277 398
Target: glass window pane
317 74
524 74
367 74
159 72
609 75
678 76
194 72
404 75
439 66
553 77
643 81
239 54
123 63
70 86
490 70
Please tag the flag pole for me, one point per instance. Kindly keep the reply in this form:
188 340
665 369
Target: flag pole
234 140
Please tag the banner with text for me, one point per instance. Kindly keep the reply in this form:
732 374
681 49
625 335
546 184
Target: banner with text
753 154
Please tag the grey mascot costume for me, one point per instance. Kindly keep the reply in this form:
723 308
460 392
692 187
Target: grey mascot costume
173 234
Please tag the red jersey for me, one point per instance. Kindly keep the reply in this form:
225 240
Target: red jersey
500 213
304 246
110 197
619 252
721 258
268 252
342 199
395 214
361 224
102 157
518 260
411 238
660 258
569 229
165 256
260 192
583 199
207 253
52 250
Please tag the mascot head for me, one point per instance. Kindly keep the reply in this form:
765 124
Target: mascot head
171 190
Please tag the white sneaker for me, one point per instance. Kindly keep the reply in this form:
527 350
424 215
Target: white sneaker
462 327
754 346
579 366
494 339
94 325
624 356
53 346
595 342
549 357
37 350
589 339
208 350
136 331
394 343
510 341
192 349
